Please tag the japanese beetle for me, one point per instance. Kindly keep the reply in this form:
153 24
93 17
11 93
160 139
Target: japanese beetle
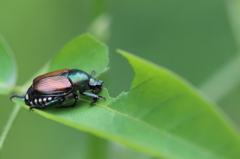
58 88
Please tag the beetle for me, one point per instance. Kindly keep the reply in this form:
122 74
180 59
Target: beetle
59 87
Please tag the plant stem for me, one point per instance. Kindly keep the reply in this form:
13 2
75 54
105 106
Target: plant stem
12 116
100 20
98 7
9 124
97 148
224 80
16 109
233 9
12 88
228 77
99 27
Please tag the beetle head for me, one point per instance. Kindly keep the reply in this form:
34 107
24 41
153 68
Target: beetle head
95 84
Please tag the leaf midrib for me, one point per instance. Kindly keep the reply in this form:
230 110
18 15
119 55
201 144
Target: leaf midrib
155 128
121 139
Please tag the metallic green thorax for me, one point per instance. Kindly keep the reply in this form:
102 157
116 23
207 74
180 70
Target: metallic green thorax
79 79
82 81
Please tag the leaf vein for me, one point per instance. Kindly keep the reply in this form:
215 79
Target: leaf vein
156 129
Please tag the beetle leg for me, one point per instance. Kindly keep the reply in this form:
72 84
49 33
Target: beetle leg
92 73
68 106
74 103
54 102
95 97
95 91
75 96
37 107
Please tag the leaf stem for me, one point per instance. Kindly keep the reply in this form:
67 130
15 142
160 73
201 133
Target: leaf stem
9 124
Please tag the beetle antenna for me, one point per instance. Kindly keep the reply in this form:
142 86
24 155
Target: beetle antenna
18 96
92 73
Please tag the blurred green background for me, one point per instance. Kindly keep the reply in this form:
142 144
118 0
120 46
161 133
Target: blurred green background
190 37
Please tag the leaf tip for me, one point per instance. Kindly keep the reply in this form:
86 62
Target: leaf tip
126 54
122 52
91 37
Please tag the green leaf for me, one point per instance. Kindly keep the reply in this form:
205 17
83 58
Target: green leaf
7 68
84 53
162 115
181 123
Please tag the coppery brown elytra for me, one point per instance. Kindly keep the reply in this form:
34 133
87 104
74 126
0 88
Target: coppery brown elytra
60 87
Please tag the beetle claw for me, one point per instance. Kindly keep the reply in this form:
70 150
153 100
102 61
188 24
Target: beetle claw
102 97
